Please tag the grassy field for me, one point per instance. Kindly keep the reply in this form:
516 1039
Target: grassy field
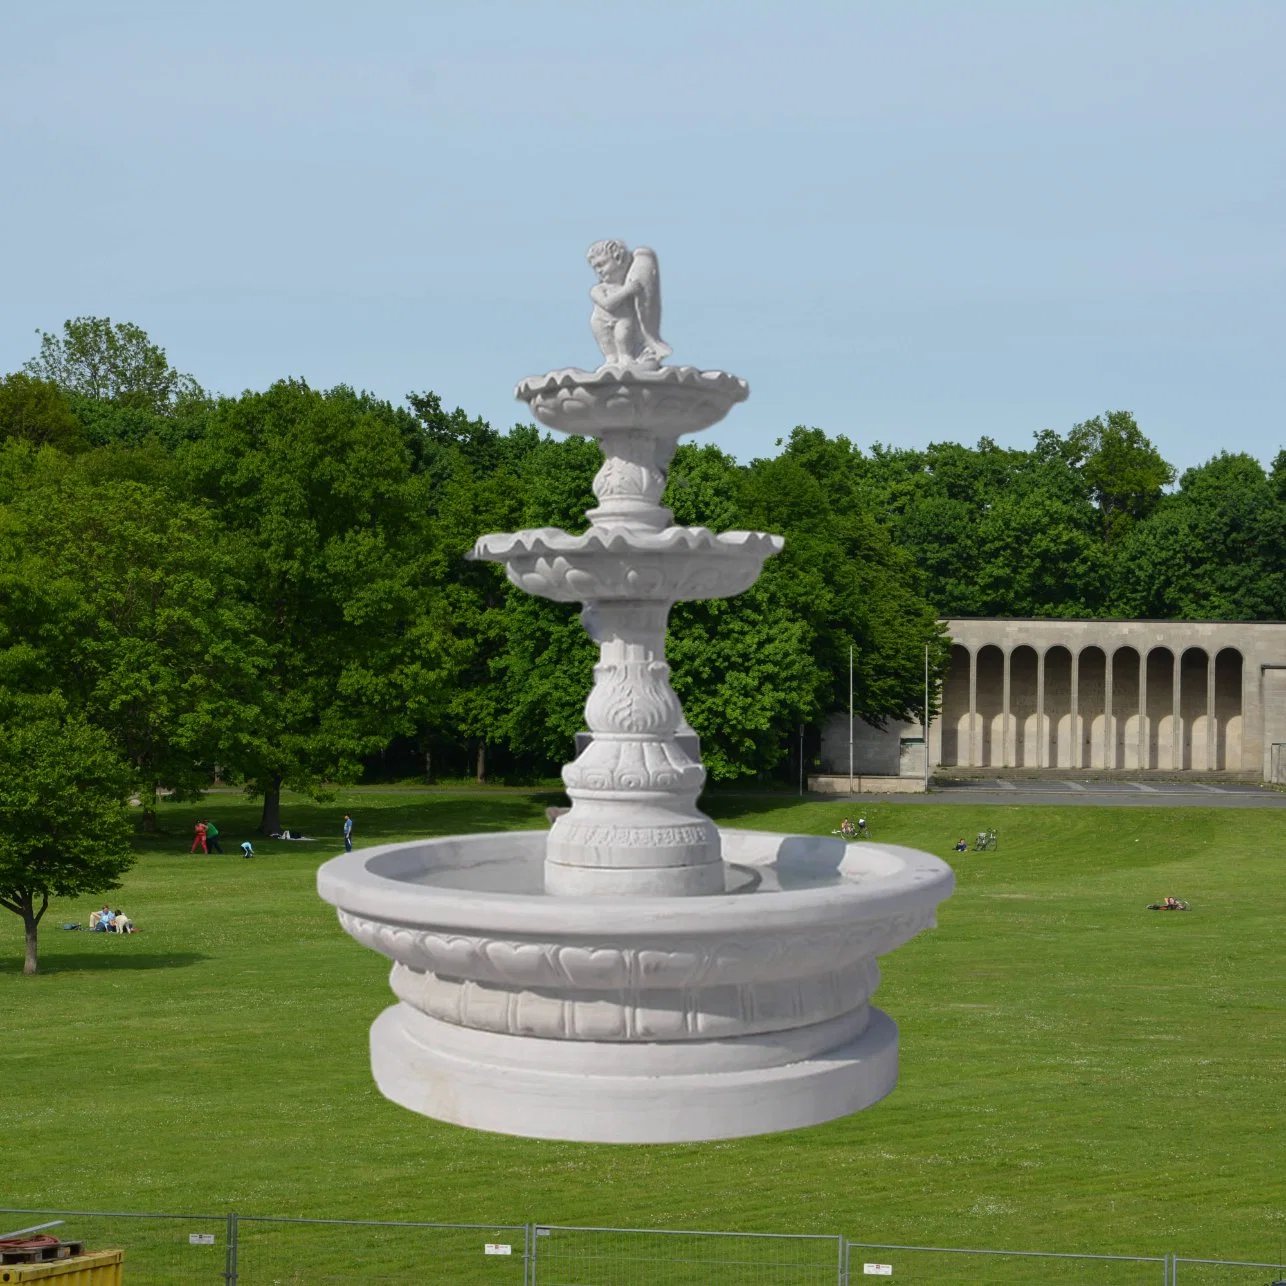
1078 1073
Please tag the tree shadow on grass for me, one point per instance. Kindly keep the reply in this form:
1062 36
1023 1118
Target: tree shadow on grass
731 805
458 816
420 816
54 961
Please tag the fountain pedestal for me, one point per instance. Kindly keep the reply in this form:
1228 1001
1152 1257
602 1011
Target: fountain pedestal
636 975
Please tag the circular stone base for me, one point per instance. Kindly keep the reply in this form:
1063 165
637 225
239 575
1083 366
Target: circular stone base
435 1078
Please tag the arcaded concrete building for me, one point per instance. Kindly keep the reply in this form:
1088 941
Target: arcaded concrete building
1127 696
1176 696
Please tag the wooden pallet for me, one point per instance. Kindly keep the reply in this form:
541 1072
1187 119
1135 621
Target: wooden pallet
17 1253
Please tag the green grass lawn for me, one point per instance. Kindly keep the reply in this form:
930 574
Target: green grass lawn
1078 1073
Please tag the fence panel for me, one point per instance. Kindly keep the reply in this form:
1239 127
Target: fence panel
160 1250
318 1252
1224 1272
945 1265
630 1257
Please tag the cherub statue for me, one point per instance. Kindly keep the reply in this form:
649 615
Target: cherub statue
627 305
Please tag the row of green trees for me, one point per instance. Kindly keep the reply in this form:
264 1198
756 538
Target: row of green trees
1082 525
273 588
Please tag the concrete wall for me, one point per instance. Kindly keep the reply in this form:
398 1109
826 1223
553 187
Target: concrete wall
877 752
1184 696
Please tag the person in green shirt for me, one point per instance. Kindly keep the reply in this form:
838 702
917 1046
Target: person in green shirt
212 837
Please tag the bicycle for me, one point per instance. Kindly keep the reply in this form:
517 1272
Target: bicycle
985 842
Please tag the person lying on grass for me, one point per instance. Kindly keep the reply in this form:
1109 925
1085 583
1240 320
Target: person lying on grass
1170 904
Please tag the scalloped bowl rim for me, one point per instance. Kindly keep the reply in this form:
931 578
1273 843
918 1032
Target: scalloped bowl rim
607 377
882 880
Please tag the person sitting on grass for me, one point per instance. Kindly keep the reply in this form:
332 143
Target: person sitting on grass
961 845
847 829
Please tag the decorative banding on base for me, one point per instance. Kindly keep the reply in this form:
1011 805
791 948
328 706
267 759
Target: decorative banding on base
419 1064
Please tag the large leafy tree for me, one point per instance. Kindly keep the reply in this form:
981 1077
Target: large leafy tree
111 362
63 824
525 663
1214 549
319 491
37 412
128 601
1123 472
840 581
118 384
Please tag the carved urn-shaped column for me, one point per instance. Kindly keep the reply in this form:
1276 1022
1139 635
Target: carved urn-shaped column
634 826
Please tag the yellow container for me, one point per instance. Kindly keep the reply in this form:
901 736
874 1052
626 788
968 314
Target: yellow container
97 1268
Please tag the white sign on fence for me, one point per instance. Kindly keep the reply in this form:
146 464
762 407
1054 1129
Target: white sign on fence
498 1248
200 1239
878 1270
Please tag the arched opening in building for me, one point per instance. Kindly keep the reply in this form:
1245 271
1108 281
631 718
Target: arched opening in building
989 750
1159 710
1228 713
1022 707
1194 710
1091 709
1123 741
1058 707
955 709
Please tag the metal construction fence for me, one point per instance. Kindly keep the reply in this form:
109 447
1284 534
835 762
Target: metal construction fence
259 1250
1223 1272
632 1257
943 1264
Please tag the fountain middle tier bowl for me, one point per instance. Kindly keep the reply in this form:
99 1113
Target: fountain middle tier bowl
635 1019
677 563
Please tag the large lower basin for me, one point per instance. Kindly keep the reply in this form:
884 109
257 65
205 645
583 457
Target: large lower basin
635 1019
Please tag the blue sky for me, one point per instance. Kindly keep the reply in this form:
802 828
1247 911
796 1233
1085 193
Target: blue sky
900 221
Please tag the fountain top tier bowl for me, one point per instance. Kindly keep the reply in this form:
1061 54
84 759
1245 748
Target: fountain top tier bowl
634 974
667 401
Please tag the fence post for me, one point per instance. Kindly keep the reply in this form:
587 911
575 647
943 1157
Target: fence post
843 1261
230 1251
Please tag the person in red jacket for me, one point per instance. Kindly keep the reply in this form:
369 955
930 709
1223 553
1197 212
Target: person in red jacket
198 839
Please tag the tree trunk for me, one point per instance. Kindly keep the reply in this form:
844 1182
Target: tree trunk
270 820
428 768
148 824
31 923
480 775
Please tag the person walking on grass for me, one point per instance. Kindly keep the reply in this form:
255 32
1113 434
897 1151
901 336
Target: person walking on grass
198 838
348 833
212 838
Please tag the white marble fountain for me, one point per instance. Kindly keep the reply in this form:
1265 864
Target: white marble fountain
636 974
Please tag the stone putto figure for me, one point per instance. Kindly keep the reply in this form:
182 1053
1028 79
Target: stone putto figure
627 305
